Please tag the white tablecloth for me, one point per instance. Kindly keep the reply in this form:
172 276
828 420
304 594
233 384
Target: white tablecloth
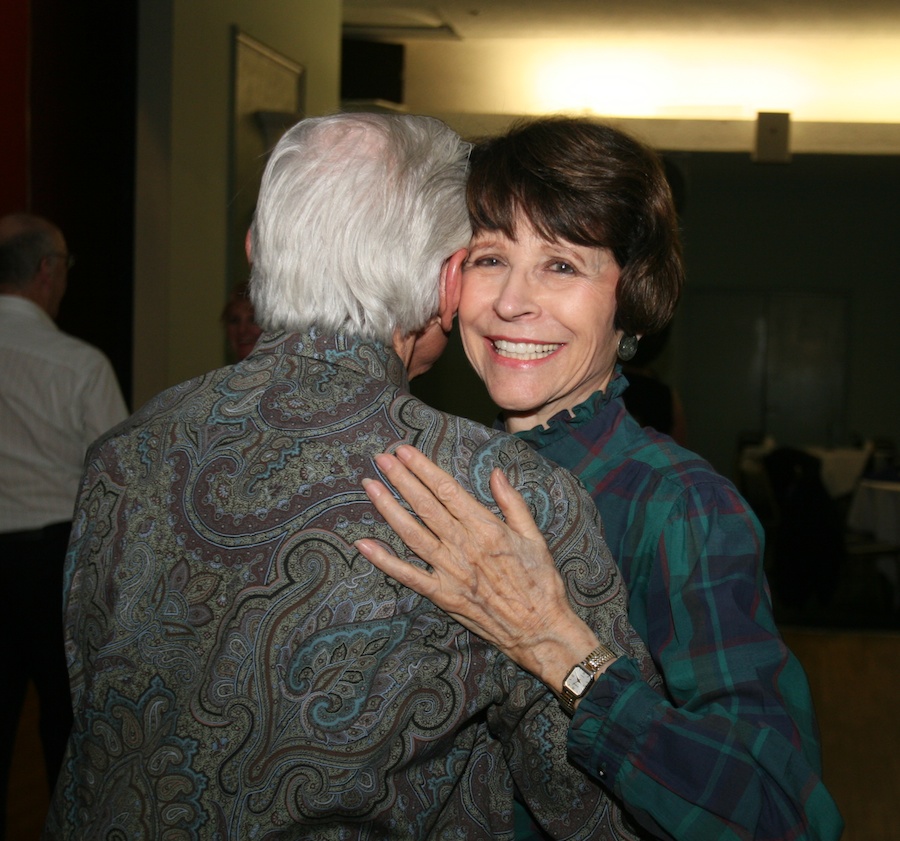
841 467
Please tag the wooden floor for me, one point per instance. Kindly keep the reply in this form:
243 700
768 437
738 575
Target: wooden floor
855 679
28 796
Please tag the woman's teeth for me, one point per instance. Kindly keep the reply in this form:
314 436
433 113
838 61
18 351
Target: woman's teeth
523 350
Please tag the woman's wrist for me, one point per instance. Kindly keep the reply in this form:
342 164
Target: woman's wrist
552 657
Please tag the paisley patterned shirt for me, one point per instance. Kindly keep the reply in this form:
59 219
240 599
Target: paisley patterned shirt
239 671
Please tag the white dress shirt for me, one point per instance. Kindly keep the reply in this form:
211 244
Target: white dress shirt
57 394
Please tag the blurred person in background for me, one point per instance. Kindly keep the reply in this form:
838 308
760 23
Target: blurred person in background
239 319
57 394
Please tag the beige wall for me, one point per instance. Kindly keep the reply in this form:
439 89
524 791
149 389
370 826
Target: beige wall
729 74
184 101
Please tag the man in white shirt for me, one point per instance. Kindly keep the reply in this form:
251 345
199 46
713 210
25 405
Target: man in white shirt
57 395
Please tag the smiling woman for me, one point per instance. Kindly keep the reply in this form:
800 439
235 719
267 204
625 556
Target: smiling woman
575 255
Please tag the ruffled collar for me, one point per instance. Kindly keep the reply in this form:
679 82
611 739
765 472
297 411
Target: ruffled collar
563 422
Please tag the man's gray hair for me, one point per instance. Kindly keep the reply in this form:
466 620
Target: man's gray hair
356 215
25 239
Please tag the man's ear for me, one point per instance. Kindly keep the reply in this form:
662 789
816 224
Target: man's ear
450 288
248 240
44 280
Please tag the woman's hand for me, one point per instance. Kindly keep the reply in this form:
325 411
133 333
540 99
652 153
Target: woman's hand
497 579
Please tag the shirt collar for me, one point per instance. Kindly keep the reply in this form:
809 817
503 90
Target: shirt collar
369 357
25 308
563 422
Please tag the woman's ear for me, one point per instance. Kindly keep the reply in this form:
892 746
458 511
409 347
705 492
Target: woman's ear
451 288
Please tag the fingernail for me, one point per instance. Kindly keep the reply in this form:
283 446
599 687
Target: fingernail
383 461
372 488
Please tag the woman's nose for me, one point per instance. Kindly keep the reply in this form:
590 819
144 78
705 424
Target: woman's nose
516 298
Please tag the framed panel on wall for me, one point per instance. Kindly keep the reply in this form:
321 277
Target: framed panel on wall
763 364
268 97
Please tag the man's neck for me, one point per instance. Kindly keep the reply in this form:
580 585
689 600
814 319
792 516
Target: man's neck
24 292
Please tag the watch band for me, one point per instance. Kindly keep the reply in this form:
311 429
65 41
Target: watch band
600 656
582 676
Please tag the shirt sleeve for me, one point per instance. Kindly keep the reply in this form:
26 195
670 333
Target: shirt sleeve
732 751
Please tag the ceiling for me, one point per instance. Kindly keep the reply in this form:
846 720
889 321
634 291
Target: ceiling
585 19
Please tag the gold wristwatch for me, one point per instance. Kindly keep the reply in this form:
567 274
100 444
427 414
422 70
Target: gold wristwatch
582 676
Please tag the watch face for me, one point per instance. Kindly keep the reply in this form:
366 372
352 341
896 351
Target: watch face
578 681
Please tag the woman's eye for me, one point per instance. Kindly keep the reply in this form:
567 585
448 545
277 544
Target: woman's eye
562 267
485 262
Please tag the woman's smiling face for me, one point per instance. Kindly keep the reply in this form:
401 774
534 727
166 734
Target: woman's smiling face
537 321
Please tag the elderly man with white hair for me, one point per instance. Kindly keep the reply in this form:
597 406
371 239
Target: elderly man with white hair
238 669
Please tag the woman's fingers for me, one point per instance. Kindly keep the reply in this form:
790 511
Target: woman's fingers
515 509
418 538
421 499
447 495
403 571
461 532
445 492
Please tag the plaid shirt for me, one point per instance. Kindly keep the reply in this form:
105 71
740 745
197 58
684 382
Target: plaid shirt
732 752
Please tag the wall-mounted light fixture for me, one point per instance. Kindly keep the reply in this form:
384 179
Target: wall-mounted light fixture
773 138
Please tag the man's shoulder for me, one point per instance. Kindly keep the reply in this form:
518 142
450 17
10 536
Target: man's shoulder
171 402
176 404
46 345
469 452
523 465
468 449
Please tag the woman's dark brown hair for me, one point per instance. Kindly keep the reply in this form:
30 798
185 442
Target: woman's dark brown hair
592 185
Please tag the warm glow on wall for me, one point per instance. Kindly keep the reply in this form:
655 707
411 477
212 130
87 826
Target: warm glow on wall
698 77
612 81
716 79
